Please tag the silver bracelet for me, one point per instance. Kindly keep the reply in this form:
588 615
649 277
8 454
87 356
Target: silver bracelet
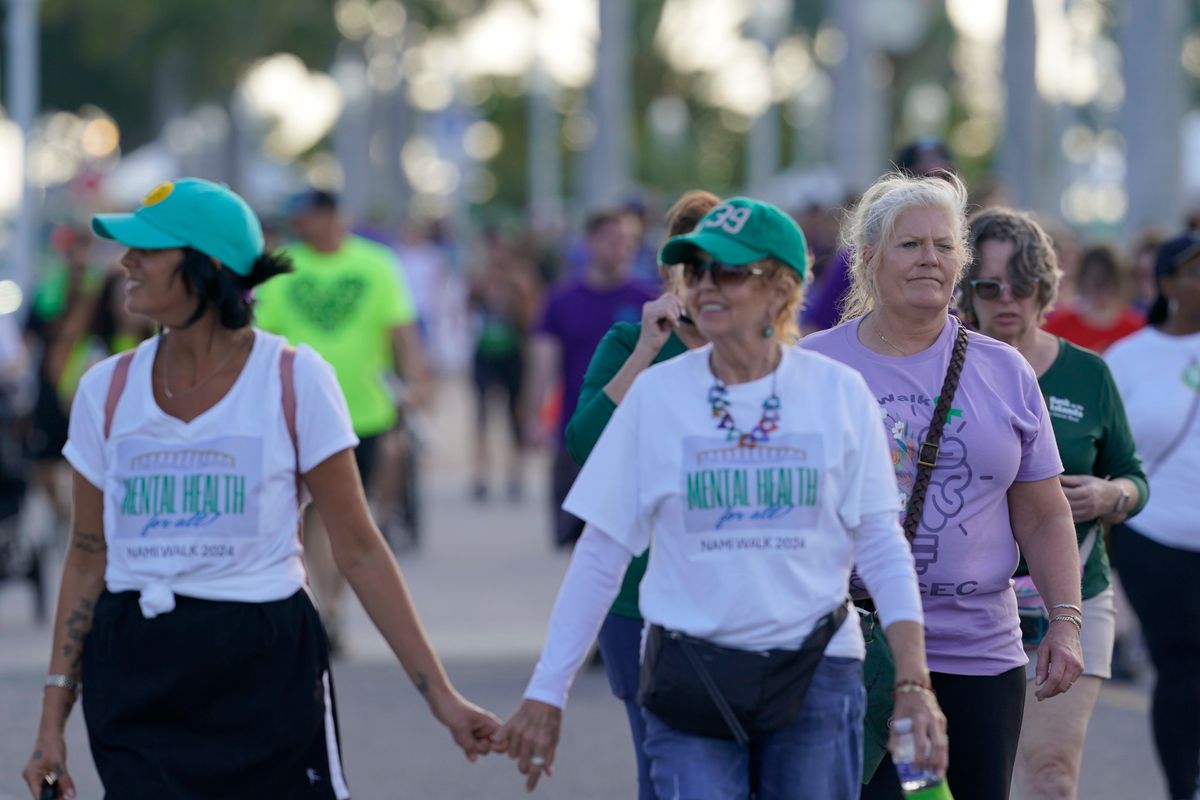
1076 609
63 682
1074 620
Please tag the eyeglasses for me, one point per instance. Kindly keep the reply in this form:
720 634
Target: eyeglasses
990 290
722 274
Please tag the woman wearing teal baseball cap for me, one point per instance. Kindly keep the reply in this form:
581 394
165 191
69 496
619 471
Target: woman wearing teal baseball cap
751 676
184 606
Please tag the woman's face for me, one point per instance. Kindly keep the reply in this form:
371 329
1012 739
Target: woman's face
154 287
1007 317
919 264
736 306
1183 287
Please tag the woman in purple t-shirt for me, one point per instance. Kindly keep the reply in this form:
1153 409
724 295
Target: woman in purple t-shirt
994 487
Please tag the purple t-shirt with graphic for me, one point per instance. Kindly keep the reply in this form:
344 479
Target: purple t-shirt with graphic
578 316
998 432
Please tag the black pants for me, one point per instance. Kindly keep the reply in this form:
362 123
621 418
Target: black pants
213 699
567 527
983 718
1163 584
503 372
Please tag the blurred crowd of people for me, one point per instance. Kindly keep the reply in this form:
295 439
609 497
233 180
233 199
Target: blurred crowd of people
394 312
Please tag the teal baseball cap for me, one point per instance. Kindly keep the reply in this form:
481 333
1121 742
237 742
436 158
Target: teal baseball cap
190 212
742 231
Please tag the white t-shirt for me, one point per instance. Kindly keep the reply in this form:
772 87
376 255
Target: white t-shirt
748 547
1159 379
206 508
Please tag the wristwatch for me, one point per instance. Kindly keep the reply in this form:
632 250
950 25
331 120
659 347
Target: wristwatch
1122 501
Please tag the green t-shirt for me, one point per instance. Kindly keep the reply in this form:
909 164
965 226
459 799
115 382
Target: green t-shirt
1093 438
344 305
592 414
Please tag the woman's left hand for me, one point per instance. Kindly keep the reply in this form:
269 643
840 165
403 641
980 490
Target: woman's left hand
471 726
1090 497
1059 660
531 736
928 728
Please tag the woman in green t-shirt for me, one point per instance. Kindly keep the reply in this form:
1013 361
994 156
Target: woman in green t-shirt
624 352
1010 284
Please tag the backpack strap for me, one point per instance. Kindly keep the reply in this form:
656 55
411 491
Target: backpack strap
287 379
116 386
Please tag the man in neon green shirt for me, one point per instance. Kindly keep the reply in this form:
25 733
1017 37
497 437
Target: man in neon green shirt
347 299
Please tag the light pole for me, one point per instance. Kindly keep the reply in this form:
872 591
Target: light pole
22 93
1151 116
763 147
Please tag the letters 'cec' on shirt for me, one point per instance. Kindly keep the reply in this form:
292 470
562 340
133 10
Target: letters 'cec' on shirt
207 508
998 432
344 305
748 547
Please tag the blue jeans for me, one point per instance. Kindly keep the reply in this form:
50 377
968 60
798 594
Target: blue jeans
621 648
817 756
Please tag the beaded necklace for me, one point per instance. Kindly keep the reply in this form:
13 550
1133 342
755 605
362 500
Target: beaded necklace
768 423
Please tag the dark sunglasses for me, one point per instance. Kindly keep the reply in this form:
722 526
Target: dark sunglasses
722 274
990 290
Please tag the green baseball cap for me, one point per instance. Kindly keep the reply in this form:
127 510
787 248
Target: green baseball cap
190 212
741 231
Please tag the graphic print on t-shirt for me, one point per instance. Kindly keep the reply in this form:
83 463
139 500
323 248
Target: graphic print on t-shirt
206 488
773 486
946 495
327 304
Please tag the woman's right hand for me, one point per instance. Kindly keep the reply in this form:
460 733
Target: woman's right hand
928 728
659 318
49 760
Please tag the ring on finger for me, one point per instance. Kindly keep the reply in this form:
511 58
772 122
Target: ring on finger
538 761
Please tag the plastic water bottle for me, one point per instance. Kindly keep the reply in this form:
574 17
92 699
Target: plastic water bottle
918 784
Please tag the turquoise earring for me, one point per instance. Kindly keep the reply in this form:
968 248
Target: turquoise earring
768 331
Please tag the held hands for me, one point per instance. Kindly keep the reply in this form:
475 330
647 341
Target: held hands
1090 497
659 318
929 729
49 761
471 726
1059 660
530 736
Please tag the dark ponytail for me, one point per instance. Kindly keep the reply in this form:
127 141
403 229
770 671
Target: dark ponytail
225 291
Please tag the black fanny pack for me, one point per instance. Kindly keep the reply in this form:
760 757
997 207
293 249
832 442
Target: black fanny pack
704 689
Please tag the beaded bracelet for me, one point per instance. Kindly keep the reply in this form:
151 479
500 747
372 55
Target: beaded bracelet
1076 609
1074 620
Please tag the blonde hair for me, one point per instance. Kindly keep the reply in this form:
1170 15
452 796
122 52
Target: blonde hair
787 327
873 221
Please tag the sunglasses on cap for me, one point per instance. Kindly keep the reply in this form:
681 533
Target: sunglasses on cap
990 290
722 274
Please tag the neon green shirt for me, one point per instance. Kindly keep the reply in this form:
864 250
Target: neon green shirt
344 305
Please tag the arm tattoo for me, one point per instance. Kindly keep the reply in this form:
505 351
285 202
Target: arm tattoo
78 623
90 542
422 683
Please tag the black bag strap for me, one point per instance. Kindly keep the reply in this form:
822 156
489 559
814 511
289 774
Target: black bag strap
928 454
820 636
1170 449
735 727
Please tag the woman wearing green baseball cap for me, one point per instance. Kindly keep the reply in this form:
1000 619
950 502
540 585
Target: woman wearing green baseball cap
184 605
752 667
